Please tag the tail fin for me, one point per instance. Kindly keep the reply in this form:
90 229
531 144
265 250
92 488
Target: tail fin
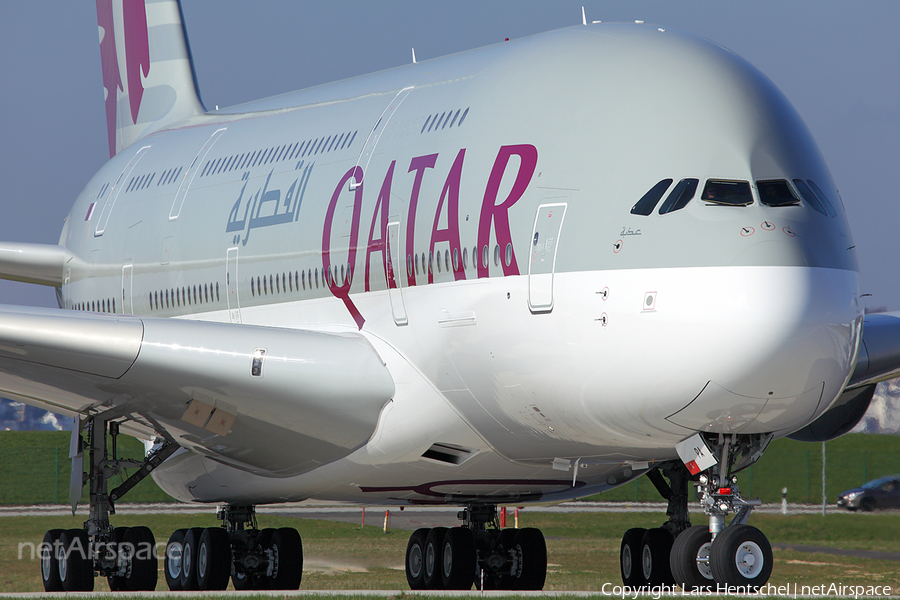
148 75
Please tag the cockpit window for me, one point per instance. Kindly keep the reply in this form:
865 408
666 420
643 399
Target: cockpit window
776 193
828 205
809 196
727 193
649 200
680 196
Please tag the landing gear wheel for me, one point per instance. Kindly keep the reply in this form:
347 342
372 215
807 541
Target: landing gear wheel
213 559
118 583
867 505
287 555
630 557
172 560
531 552
189 559
689 559
656 546
244 581
415 559
75 568
140 551
458 560
434 549
49 563
741 556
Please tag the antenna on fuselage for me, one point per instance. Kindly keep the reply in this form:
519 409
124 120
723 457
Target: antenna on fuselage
414 55
583 17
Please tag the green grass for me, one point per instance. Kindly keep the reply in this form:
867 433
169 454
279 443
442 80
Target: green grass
35 467
582 548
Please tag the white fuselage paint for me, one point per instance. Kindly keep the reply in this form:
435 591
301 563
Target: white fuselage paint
604 393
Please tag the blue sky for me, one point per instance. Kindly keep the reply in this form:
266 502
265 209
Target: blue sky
838 62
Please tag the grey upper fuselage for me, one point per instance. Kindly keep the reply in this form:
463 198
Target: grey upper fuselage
609 110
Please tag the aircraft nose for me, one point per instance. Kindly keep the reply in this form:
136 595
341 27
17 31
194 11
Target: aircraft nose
787 361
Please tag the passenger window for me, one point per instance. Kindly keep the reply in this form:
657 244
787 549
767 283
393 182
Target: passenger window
484 256
680 195
776 193
455 259
497 255
508 256
417 264
409 265
439 261
727 193
649 200
809 196
447 260
828 205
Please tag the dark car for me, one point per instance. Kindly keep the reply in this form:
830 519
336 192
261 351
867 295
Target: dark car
880 493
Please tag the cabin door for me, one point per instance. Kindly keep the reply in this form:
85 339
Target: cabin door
127 301
231 285
395 273
542 264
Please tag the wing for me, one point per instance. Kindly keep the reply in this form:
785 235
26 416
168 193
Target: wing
268 400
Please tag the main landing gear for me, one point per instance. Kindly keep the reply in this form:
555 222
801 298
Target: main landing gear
124 555
702 558
478 552
253 558
195 559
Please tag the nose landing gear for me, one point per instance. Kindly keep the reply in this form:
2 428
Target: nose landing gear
732 557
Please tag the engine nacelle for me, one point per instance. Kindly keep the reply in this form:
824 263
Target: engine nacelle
847 411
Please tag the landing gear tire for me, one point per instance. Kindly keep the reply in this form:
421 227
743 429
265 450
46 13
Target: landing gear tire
741 556
172 562
630 557
415 559
76 571
118 583
245 582
434 550
287 556
689 559
49 561
213 559
144 570
531 551
458 559
656 546
867 505
189 559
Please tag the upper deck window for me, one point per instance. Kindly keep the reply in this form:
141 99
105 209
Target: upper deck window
680 196
649 200
727 193
810 196
825 200
776 193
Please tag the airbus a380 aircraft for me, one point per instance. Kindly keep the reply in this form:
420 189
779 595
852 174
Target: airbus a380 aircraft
525 273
